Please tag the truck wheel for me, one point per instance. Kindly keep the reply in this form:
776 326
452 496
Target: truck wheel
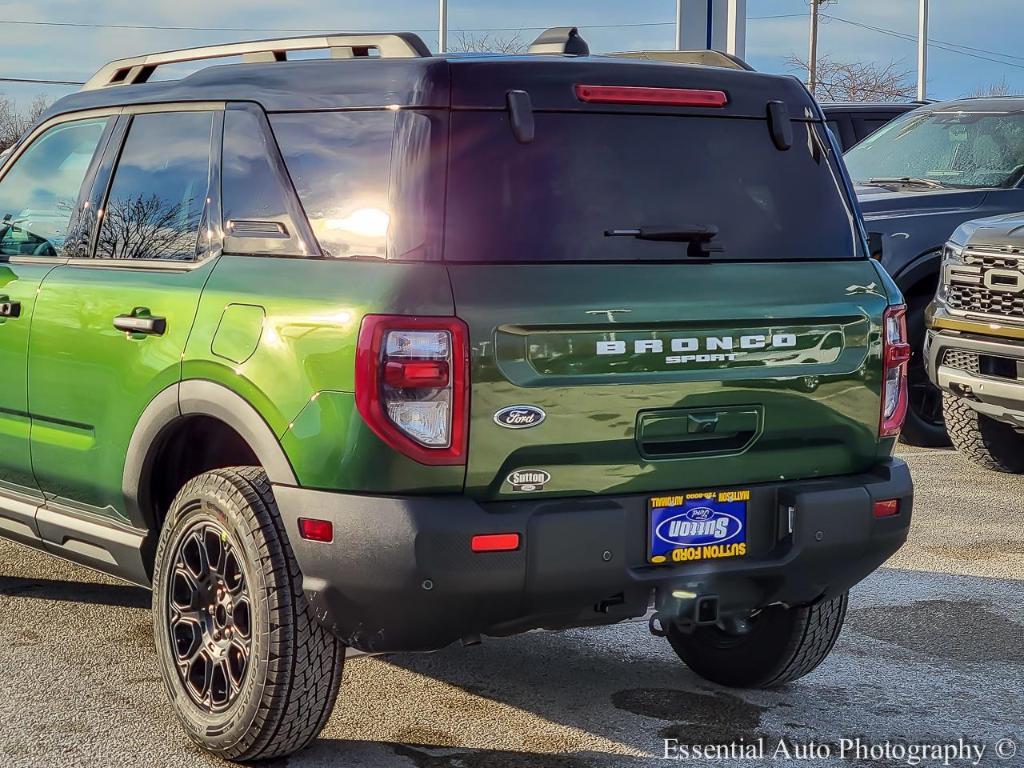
250 672
777 645
985 441
924 425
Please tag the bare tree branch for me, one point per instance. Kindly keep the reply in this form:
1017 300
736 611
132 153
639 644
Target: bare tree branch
14 123
997 88
859 81
487 43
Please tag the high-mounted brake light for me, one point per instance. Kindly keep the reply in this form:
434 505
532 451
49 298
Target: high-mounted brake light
665 97
412 385
896 354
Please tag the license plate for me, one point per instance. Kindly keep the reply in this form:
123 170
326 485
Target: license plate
701 525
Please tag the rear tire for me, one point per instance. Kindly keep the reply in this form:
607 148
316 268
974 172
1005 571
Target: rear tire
985 441
782 644
250 673
924 425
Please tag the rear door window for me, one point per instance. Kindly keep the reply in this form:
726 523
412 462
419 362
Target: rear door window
584 175
158 194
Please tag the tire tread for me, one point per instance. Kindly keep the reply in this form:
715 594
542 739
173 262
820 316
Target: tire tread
985 441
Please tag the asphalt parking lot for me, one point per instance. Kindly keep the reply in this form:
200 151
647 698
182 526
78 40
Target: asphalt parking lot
933 652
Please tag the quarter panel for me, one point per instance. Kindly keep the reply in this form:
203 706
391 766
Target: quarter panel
300 377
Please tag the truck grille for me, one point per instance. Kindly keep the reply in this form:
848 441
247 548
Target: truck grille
968 288
962 361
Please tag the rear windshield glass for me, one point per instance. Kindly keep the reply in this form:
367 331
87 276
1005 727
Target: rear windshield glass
587 174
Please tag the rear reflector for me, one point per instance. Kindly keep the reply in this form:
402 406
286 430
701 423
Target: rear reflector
887 508
667 97
316 530
495 542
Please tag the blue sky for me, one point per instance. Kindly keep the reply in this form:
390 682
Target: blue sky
991 29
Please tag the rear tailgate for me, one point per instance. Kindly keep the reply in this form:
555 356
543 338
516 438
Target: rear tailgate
654 369
619 420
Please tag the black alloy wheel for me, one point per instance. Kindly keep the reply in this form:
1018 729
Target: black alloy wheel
209 617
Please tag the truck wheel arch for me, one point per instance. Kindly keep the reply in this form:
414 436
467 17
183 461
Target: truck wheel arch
920 273
166 412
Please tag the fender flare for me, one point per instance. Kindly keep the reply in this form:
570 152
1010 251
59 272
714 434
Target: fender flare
927 263
194 398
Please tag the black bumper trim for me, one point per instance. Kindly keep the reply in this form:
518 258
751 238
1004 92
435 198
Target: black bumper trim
400 576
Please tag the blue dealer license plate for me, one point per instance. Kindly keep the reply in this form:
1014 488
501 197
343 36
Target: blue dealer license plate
702 525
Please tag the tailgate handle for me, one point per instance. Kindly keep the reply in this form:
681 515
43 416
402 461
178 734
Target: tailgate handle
662 434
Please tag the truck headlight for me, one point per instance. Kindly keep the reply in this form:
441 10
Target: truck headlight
954 270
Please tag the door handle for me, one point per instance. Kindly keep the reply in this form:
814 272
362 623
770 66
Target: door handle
140 321
9 308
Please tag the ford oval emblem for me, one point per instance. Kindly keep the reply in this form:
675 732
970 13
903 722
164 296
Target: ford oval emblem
519 416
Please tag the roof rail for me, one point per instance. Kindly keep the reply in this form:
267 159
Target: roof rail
342 45
702 57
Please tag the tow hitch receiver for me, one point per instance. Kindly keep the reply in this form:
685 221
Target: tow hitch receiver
689 610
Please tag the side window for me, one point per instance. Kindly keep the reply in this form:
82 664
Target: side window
255 211
157 197
39 192
340 164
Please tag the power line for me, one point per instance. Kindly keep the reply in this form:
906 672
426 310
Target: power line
313 30
932 43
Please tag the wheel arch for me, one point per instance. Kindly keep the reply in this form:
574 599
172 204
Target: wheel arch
167 413
921 273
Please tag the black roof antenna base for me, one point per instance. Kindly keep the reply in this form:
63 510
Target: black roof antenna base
560 40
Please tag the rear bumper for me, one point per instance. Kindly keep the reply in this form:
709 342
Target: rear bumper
400 576
973 373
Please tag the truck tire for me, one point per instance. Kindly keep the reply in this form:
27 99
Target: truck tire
923 427
985 441
250 672
782 644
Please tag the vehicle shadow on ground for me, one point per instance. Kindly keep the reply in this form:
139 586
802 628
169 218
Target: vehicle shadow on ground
631 694
114 595
338 752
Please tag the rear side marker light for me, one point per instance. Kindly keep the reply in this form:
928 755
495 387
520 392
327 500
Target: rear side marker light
887 508
666 97
495 542
312 529
896 354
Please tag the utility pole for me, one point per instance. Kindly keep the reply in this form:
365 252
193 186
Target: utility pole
922 50
812 55
679 24
442 27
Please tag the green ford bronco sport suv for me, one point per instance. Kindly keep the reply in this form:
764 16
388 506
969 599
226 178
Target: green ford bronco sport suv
383 351
975 344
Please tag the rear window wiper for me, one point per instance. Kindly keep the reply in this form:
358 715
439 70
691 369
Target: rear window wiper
699 236
912 180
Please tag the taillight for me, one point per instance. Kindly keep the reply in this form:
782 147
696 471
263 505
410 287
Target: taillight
895 356
666 97
412 385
